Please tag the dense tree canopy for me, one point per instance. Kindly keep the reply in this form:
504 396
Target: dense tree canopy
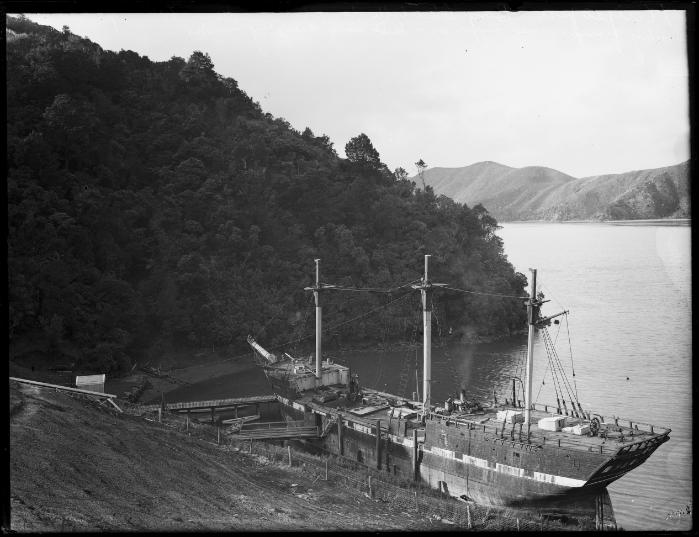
154 204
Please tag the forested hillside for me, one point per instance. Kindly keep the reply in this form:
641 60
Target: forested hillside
154 205
539 193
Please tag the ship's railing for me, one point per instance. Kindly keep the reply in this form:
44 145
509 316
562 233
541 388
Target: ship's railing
511 432
616 421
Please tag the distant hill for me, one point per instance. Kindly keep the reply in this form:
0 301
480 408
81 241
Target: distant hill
539 193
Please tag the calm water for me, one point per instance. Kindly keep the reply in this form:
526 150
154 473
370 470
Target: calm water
628 290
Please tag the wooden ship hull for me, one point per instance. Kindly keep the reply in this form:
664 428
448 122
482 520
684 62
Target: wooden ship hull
487 464
515 454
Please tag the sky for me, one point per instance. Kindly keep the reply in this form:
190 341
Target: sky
584 92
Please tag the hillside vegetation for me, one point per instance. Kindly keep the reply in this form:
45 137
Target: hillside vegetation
155 206
538 193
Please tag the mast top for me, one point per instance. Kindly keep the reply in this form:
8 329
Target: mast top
426 284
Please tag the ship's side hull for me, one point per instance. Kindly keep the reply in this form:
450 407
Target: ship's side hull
356 440
473 464
480 465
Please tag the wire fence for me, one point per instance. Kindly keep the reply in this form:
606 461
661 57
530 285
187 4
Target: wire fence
398 495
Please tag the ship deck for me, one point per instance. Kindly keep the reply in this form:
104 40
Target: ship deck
614 432
371 405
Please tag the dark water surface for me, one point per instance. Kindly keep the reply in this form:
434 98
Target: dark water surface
628 290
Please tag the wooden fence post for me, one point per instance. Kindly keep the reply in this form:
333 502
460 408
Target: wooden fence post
339 435
288 448
187 421
416 470
378 444
218 435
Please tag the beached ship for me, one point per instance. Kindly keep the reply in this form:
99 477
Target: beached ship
503 452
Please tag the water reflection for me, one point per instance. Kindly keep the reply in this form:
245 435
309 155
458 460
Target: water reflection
477 369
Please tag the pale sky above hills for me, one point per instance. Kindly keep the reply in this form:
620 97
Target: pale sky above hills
584 92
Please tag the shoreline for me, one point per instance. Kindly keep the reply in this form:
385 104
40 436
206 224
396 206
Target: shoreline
191 369
175 377
640 221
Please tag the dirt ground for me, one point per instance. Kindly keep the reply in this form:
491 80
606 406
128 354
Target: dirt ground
75 467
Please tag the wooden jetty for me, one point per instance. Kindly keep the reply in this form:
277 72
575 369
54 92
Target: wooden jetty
213 405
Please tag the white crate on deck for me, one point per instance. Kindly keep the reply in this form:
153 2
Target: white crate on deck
579 429
552 423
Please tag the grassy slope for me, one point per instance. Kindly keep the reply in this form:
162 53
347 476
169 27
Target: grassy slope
74 467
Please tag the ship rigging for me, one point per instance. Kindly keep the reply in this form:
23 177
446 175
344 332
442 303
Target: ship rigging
511 453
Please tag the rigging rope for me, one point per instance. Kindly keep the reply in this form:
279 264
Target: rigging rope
543 381
569 389
327 328
548 364
302 328
481 293
369 289
556 381
572 365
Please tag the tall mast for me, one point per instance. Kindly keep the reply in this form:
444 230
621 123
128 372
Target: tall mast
426 291
532 314
319 317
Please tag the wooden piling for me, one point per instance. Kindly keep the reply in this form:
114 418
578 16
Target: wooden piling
218 435
326 470
371 492
160 414
341 448
468 516
416 470
288 448
378 444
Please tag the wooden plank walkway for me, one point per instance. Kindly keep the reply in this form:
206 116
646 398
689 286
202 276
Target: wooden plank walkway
214 403
277 433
